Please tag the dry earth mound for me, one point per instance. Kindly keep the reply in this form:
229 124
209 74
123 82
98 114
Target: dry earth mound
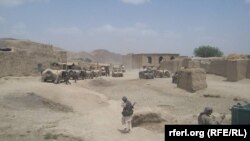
33 102
100 82
149 120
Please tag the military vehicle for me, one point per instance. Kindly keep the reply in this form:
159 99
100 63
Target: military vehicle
55 76
123 68
117 72
146 74
161 73
103 71
89 74
240 114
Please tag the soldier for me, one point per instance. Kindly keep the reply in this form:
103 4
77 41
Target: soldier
83 74
174 78
66 78
205 117
127 113
107 71
75 76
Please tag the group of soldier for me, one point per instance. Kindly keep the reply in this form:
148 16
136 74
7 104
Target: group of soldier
204 117
66 76
175 77
83 74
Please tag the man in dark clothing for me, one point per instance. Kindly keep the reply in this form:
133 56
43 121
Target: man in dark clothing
66 78
107 71
75 76
127 113
205 117
175 78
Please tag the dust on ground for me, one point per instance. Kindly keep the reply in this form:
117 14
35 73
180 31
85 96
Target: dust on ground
32 101
90 110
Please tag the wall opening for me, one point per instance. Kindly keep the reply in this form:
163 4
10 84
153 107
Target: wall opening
150 60
5 49
39 67
172 58
160 59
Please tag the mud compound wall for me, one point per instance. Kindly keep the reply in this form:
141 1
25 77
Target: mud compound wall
171 65
234 70
192 79
127 61
136 61
189 63
12 63
61 56
248 70
205 66
26 63
237 70
156 59
218 67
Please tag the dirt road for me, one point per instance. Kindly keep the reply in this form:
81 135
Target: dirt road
90 110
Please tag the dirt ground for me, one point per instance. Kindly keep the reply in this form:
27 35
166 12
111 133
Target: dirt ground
90 110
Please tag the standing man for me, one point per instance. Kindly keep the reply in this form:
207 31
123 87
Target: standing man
127 113
66 78
107 71
175 77
75 76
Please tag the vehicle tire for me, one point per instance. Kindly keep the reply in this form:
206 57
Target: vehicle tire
56 81
43 79
48 74
167 74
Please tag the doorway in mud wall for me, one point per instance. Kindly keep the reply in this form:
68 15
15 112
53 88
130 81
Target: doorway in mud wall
160 59
149 59
40 67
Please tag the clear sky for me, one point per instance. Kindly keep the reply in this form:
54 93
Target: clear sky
130 26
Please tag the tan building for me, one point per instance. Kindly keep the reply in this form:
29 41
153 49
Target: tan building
135 61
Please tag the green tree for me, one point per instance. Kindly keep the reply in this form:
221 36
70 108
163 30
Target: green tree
207 51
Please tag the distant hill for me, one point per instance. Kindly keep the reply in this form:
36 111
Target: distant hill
26 45
100 55
82 56
25 58
105 56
